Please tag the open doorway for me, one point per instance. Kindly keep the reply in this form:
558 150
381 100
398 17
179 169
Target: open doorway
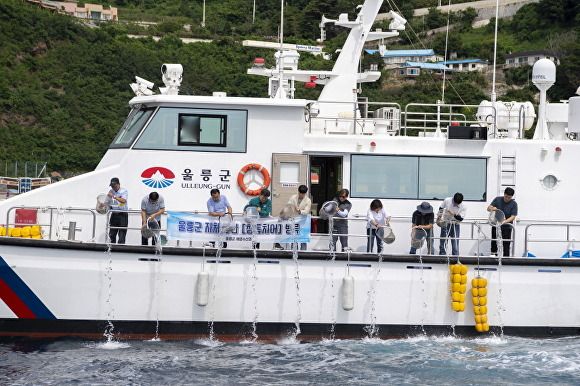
325 182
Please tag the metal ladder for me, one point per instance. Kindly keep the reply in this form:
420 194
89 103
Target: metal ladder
507 172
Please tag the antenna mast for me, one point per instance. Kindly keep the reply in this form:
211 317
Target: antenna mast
493 96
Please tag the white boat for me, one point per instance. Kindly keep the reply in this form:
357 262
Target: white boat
70 281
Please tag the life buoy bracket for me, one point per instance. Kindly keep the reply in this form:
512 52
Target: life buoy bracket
244 188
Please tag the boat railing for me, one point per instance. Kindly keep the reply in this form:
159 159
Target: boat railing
477 226
385 118
358 118
72 228
430 117
567 239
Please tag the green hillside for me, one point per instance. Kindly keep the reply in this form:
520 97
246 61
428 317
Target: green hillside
64 86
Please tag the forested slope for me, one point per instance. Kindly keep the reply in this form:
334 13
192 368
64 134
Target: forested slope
64 87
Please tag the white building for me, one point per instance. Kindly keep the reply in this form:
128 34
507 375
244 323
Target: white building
521 58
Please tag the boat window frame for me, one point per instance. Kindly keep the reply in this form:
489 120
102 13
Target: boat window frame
222 131
235 129
418 183
139 129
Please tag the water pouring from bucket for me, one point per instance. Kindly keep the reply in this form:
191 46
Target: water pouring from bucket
328 209
227 223
251 214
386 234
443 218
150 229
102 205
418 237
496 218
288 212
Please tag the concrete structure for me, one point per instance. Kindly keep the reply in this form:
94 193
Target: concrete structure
87 11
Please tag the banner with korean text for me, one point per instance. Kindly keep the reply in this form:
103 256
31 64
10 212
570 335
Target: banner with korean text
203 227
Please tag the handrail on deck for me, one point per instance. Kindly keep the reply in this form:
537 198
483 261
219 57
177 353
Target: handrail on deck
528 239
439 113
353 108
51 209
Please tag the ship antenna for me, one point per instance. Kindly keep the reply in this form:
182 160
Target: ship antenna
281 63
445 55
493 96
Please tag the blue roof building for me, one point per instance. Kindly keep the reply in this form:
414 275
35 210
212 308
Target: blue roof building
394 58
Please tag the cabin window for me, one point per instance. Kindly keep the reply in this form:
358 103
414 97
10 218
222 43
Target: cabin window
195 130
202 130
132 127
422 178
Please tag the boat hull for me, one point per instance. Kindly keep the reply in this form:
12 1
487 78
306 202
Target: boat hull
67 288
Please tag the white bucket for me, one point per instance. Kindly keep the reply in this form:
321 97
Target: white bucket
102 206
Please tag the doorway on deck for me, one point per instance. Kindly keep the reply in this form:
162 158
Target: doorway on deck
325 182
289 171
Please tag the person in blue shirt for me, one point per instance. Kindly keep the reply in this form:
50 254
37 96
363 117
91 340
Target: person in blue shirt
218 206
117 200
510 208
263 204
152 207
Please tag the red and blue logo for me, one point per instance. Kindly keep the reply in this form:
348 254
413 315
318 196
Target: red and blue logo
157 177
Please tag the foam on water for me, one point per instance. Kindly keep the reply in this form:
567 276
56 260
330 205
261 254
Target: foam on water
109 345
446 360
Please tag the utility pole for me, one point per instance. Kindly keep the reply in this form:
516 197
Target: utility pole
203 17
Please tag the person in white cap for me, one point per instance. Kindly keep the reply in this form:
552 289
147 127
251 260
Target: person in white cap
117 199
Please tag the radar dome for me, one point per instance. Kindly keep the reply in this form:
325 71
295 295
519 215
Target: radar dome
544 72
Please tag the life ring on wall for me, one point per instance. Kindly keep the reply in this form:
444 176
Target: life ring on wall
244 187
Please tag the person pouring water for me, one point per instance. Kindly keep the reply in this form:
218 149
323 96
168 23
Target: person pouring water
377 217
263 205
218 206
423 218
152 207
117 200
340 224
455 207
510 209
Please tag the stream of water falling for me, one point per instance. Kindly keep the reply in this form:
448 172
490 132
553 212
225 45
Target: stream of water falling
422 278
372 329
108 333
298 300
158 258
255 295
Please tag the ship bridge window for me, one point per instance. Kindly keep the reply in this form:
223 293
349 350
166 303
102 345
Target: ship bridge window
132 127
202 130
195 129
422 178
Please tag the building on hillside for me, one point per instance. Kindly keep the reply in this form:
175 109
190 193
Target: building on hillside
466 65
412 70
521 58
396 58
86 11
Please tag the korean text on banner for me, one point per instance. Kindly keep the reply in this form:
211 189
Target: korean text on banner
200 227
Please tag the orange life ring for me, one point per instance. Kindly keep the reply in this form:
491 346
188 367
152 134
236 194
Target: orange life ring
242 173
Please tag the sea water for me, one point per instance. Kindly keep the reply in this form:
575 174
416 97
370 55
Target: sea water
418 360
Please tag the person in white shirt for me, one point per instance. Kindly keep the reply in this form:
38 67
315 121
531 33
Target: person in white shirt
456 210
301 204
377 217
